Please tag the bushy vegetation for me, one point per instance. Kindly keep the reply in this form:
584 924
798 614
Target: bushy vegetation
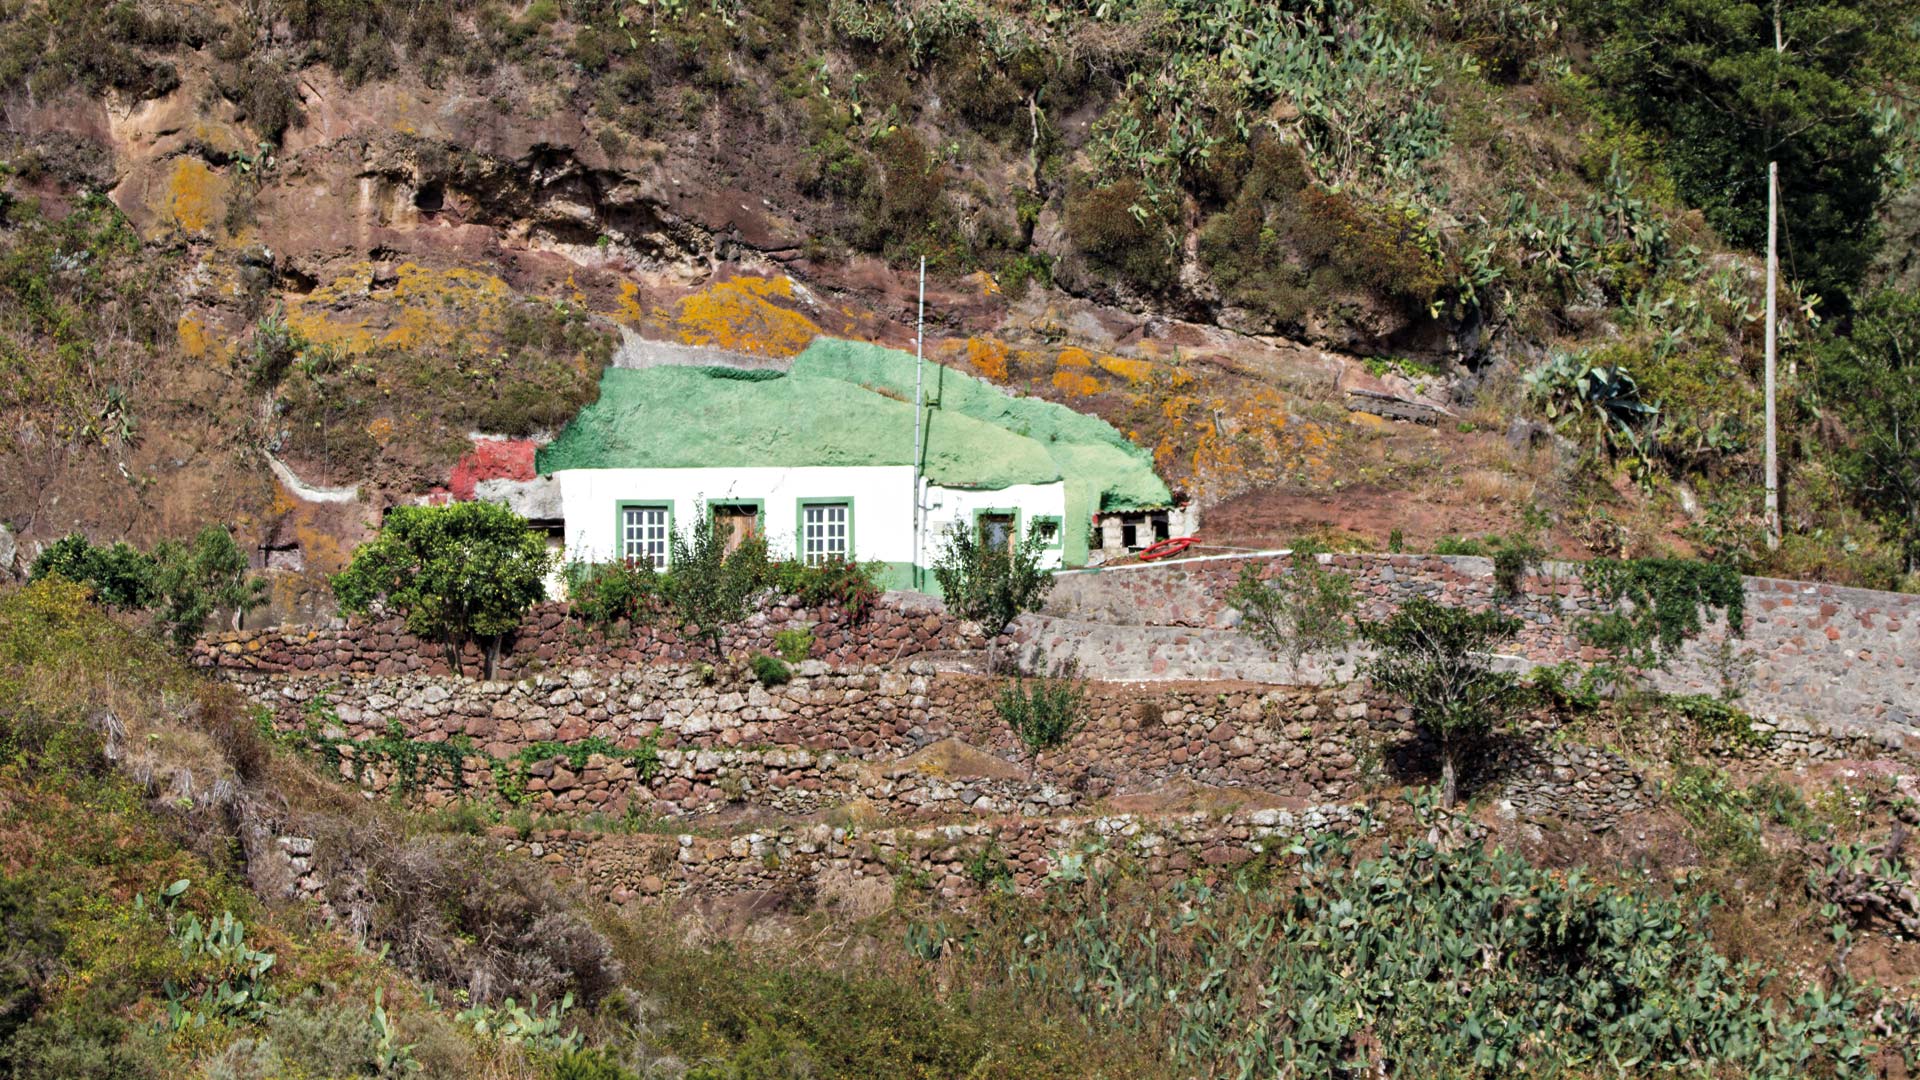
1045 710
1439 660
179 584
712 586
1303 612
989 583
1418 958
455 573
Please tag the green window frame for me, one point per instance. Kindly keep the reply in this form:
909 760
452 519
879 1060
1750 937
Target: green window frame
1059 539
820 541
996 511
642 535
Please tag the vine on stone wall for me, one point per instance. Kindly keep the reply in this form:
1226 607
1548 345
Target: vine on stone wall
417 762
1659 605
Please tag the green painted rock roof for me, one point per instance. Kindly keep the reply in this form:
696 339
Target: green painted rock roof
846 403
691 417
1103 470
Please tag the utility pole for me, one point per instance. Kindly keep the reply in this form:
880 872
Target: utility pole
1773 328
919 418
1773 270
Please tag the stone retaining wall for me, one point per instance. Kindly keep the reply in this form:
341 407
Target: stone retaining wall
905 744
899 625
830 864
1838 657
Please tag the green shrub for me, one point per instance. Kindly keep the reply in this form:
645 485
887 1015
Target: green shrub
1657 605
1418 958
1045 712
1300 613
988 583
849 585
1439 661
1122 231
793 645
456 573
606 593
770 670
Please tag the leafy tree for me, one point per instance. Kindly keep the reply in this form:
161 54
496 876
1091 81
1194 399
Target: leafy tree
1439 661
1047 713
1300 613
180 583
988 583
119 574
1658 605
457 573
1871 377
709 587
191 580
1705 75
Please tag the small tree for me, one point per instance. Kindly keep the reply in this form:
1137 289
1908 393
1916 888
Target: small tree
1871 378
191 581
708 586
457 573
1438 660
1046 712
988 583
1303 612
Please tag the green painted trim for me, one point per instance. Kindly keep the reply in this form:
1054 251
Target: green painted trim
1006 511
800 524
620 509
1059 530
898 575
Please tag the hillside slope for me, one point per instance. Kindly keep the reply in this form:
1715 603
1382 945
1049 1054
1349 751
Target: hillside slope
349 236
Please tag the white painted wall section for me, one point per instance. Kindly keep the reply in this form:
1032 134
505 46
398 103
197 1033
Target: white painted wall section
882 498
946 506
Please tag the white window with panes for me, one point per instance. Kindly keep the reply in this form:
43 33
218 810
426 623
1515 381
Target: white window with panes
643 535
824 528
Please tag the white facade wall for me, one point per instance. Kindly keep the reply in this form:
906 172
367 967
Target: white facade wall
948 505
882 498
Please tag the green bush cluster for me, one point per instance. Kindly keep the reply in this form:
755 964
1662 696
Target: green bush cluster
988 583
1422 959
415 763
770 670
712 587
1044 712
1303 612
179 584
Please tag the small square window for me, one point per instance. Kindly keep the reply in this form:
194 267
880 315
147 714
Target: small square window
824 530
1048 530
643 535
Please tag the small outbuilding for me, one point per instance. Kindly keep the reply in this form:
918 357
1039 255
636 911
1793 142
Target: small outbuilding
821 459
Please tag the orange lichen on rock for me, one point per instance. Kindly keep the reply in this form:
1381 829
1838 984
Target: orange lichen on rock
743 314
627 309
425 307
380 430
988 357
196 340
1075 383
1073 357
1133 371
195 196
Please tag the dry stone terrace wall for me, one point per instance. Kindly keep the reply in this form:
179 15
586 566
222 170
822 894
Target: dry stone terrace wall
835 864
834 735
913 744
899 626
1836 657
